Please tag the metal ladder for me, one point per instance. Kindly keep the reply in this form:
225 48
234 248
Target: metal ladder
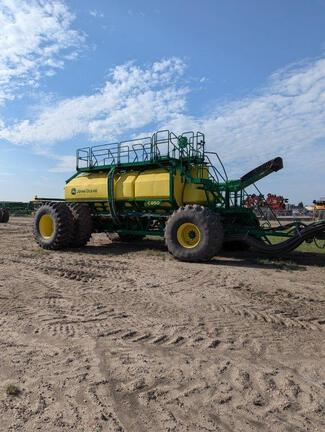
111 196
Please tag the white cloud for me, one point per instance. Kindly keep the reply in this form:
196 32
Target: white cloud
132 98
96 14
286 117
35 39
65 164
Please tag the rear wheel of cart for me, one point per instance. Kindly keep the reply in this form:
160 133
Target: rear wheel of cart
82 224
53 226
194 233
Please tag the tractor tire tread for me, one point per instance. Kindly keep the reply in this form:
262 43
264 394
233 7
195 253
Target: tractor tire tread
83 225
208 222
64 226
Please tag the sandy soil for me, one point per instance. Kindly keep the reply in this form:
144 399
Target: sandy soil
124 338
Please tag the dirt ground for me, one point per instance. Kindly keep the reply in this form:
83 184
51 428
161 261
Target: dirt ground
119 337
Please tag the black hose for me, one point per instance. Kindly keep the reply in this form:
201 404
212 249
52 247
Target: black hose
310 231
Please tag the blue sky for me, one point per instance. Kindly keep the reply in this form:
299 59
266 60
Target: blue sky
250 74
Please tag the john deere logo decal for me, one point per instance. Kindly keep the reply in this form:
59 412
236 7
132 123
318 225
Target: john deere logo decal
75 191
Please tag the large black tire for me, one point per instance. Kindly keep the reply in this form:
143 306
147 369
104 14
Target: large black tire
194 233
5 216
83 224
53 226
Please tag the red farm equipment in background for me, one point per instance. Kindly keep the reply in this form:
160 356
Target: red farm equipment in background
272 201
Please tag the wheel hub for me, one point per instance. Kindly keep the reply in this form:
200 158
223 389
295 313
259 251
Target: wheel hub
188 235
46 226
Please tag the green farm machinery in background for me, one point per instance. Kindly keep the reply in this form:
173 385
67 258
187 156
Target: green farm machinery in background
169 186
14 208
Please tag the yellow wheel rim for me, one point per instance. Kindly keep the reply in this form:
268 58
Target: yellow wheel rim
46 226
188 235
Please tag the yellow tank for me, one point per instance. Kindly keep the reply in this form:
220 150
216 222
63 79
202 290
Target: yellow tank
156 184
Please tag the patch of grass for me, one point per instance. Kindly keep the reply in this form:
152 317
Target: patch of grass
40 251
311 247
304 247
13 390
279 264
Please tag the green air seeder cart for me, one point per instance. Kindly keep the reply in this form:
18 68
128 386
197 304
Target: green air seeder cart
168 186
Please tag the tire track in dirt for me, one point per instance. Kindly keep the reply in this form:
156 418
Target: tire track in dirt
58 374
72 269
139 342
53 304
188 336
247 312
220 385
91 325
256 311
256 387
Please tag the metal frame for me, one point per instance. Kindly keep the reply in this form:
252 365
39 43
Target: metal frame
176 154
